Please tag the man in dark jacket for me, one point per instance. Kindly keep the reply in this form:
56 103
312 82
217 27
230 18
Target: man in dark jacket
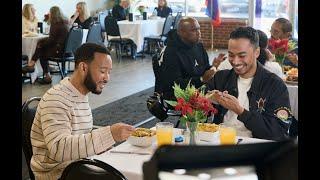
184 59
119 11
250 98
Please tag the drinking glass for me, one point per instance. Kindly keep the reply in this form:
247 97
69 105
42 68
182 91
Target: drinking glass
164 133
227 134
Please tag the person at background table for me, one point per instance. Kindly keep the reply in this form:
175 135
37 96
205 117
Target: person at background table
82 16
266 58
119 11
163 10
282 29
51 46
250 98
62 129
184 59
29 20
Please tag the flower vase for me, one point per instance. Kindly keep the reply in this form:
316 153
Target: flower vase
192 128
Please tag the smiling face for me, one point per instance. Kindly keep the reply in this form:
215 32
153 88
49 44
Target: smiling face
242 57
98 73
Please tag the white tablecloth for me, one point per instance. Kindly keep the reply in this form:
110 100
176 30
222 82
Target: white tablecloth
131 164
138 29
29 45
293 96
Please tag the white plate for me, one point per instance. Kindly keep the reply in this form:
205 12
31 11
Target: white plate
141 141
207 136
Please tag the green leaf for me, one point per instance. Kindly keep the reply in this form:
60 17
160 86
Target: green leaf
172 103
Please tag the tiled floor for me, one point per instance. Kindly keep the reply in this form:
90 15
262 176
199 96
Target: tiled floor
127 77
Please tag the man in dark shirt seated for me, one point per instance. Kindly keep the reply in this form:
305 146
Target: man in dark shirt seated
250 98
163 10
184 59
282 29
119 11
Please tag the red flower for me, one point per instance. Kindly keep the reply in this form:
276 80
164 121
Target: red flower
183 106
278 46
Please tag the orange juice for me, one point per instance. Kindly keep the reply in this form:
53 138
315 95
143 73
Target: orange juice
164 136
227 135
164 133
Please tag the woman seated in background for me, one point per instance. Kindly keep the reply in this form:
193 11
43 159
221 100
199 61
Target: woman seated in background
29 19
82 16
265 58
163 10
51 46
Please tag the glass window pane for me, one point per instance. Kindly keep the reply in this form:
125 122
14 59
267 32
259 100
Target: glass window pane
234 8
176 6
270 10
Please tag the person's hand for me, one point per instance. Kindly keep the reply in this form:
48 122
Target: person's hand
270 56
229 102
218 60
213 95
76 14
121 132
293 57
208 75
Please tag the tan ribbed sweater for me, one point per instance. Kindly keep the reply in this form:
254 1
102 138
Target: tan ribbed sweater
62 131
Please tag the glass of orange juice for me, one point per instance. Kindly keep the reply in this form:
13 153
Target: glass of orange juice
164 133
227 134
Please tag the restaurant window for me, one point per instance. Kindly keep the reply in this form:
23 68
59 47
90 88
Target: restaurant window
234 8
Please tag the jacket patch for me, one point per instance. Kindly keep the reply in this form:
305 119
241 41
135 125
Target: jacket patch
283 113
261 105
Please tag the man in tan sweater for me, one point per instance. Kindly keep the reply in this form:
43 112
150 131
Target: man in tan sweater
62 128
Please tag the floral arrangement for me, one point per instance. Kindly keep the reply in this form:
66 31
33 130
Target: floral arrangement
192 103
141 8
280 48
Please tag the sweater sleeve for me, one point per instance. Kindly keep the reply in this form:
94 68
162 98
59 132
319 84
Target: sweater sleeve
61 143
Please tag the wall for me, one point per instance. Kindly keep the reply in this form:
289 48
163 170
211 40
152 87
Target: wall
220 35
68 7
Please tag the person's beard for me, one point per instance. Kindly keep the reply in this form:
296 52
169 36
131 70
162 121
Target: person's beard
90 84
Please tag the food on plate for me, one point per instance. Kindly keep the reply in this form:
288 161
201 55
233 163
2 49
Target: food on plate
208 127
143 132
286 68
213 95
292 78
293 72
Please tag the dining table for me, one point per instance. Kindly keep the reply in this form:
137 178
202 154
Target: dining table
29 44
137 30
128 159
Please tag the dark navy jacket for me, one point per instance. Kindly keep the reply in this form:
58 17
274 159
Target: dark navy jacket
263 123
181 63
164 12
119 13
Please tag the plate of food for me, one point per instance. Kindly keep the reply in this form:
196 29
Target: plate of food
142 137
207 131
292 76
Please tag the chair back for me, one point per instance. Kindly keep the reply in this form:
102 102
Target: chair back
95 34
28 114
177 19
111 25
74 40
167 25
82 170
101 16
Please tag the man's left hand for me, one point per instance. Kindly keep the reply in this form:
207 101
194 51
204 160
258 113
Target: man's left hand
230 102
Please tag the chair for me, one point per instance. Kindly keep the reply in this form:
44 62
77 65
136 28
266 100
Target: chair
159 40
112 29
101 17
73 41
176 20
28 114
25 75
95 34
81 170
